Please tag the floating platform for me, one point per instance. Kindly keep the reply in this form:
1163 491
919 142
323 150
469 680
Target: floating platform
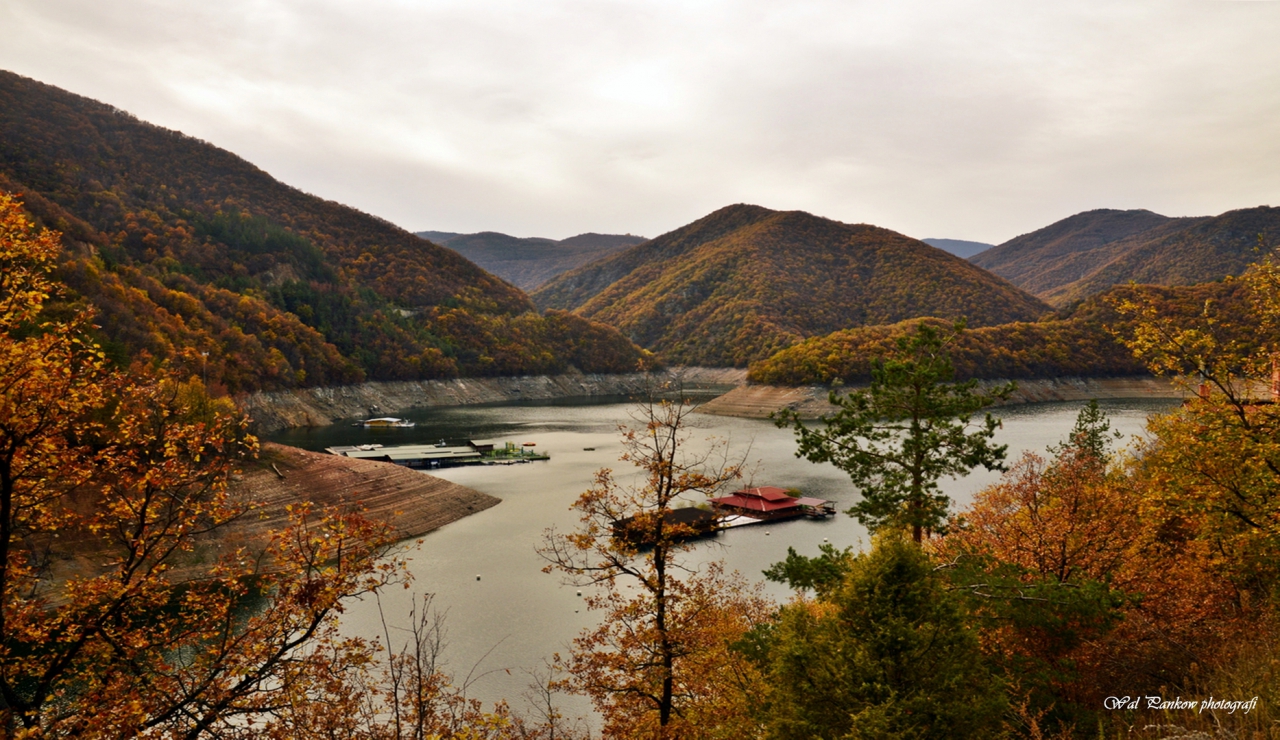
433 456
770 504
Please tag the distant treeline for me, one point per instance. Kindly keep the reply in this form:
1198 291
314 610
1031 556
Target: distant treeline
1079 342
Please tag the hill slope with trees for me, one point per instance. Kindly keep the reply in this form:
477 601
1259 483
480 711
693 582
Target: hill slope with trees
745 281
528 263
1089 252
192 255
1077 342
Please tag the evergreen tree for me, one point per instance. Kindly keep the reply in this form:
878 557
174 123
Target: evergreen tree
886 655
904 432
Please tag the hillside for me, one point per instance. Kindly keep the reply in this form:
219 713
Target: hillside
1201 250
530 262
1075 343
1089 252
745 281
192 255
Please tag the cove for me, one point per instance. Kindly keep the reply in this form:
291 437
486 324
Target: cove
515 616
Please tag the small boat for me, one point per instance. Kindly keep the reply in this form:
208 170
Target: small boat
530 444
588 449
386 422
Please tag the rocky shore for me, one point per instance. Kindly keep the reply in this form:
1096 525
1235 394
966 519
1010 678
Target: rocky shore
310 407
758 401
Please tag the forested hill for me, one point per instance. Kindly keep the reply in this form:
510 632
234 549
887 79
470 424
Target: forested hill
185 249
1089 252
1076 342
746 281
530 262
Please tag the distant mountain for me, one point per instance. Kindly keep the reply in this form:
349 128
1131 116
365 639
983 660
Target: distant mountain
532 261
439 237
1198 250
1089 252
959 247
184 249
1069 249
746 281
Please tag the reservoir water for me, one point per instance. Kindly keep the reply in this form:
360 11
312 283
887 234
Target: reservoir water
515 616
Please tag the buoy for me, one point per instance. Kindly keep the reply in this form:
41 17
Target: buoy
477 577
579 593
766 534
824 539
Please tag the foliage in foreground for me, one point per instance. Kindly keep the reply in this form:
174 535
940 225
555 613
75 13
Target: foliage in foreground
659 664
112 482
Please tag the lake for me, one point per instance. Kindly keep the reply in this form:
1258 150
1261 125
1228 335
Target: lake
515 616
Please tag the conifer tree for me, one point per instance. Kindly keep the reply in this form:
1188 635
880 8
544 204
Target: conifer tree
909 428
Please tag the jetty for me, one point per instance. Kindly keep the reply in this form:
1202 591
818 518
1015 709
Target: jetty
441 455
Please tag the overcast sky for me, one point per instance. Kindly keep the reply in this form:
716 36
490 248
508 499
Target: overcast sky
945 118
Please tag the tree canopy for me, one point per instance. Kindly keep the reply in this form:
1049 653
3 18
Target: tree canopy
904 432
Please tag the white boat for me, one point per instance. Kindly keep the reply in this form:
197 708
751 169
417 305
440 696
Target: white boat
387 421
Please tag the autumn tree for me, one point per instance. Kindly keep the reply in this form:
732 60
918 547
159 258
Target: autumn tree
906 430
1217 459
657 666
112 482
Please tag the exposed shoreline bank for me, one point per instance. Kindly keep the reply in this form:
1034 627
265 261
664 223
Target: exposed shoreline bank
758 401
314 407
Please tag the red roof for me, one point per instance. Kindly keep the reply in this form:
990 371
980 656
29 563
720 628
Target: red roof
765 498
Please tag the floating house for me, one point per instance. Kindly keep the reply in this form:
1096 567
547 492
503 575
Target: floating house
687 523
770 503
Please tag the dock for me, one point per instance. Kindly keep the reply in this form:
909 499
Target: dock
435 456
769 504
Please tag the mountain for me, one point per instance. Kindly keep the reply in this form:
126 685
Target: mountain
959 247
745 281
439 237
191 255
1199 250
531 262
1089 252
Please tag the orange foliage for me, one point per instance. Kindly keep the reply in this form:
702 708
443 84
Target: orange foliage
184 249
745 281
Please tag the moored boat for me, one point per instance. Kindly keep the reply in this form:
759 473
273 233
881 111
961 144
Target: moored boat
384 422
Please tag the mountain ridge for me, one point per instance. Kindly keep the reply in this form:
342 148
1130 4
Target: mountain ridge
744 281
530 262
1088 252
194 256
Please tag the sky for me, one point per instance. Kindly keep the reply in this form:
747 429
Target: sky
960 119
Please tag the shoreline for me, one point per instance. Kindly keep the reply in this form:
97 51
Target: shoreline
759 401
315 407
273 411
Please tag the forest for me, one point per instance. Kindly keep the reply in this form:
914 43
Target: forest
1084 340
1093 592
745 281
191 256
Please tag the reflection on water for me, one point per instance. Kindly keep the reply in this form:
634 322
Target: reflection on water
515 616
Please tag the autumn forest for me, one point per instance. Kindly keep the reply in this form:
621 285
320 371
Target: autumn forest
150 282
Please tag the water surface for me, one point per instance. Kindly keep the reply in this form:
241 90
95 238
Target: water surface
515 616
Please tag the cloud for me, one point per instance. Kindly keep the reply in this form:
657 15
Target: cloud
972 119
